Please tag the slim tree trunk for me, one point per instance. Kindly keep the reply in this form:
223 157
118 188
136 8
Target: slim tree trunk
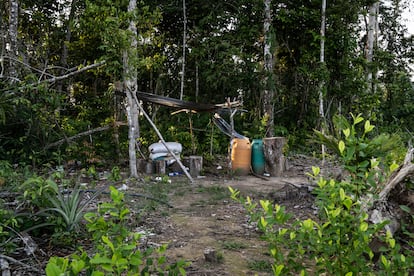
197 83
369 49
184 46
3 35
13 50
269 83
322 82
68 34
130 86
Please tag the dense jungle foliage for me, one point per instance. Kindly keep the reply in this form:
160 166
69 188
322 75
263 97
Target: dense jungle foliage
68 70
45 97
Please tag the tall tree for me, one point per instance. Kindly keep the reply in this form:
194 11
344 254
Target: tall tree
184 50
130 87
369 49
323 65
13 49
269 82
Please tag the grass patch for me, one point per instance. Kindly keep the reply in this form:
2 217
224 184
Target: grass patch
260 265
233 245
216 193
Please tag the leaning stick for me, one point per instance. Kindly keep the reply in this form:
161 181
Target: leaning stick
162 139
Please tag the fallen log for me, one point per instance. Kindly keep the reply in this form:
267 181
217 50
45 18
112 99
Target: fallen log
386 207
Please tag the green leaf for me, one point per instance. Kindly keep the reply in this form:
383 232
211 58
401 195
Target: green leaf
384 261
341 146
278 269
282 231
263 222
322 182
393 167
347 203
98 259
273 252
106 240
391 242
342 194
308 224
368 127
364 226
405 208
357 119
374 163
53 270
349 274
77 266
346 132
336 212
316 171
265 205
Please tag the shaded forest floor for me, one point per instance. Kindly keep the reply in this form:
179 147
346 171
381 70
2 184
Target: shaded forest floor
203 219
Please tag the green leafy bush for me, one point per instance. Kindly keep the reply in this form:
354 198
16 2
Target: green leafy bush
368 158
338 241
117 249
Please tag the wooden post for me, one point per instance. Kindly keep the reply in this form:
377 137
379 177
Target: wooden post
196 164
160 167
274 158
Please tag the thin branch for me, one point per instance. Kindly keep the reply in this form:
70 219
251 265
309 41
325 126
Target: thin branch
10 259
69 139
43 72
54 79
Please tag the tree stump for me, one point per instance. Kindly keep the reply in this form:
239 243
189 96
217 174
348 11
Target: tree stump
210 255
145 166
160 167
196 165
274 158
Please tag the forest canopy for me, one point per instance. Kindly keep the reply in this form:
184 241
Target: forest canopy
66 68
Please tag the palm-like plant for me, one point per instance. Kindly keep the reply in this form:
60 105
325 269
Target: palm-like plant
71 205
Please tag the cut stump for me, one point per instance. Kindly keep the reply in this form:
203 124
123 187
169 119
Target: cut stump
274 158
196 165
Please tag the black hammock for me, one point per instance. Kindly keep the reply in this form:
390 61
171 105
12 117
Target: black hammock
199 107
176 103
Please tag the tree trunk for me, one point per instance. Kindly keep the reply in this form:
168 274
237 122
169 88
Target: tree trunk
68 35
13 50
3 35
130 81
269 83
369 49
184 46
274 158
322 82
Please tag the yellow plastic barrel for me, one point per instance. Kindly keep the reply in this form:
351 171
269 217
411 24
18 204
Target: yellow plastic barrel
241 154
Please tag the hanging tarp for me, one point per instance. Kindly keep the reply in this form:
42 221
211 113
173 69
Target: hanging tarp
226 127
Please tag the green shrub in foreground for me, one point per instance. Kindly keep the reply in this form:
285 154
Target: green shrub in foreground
116 248
337 243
